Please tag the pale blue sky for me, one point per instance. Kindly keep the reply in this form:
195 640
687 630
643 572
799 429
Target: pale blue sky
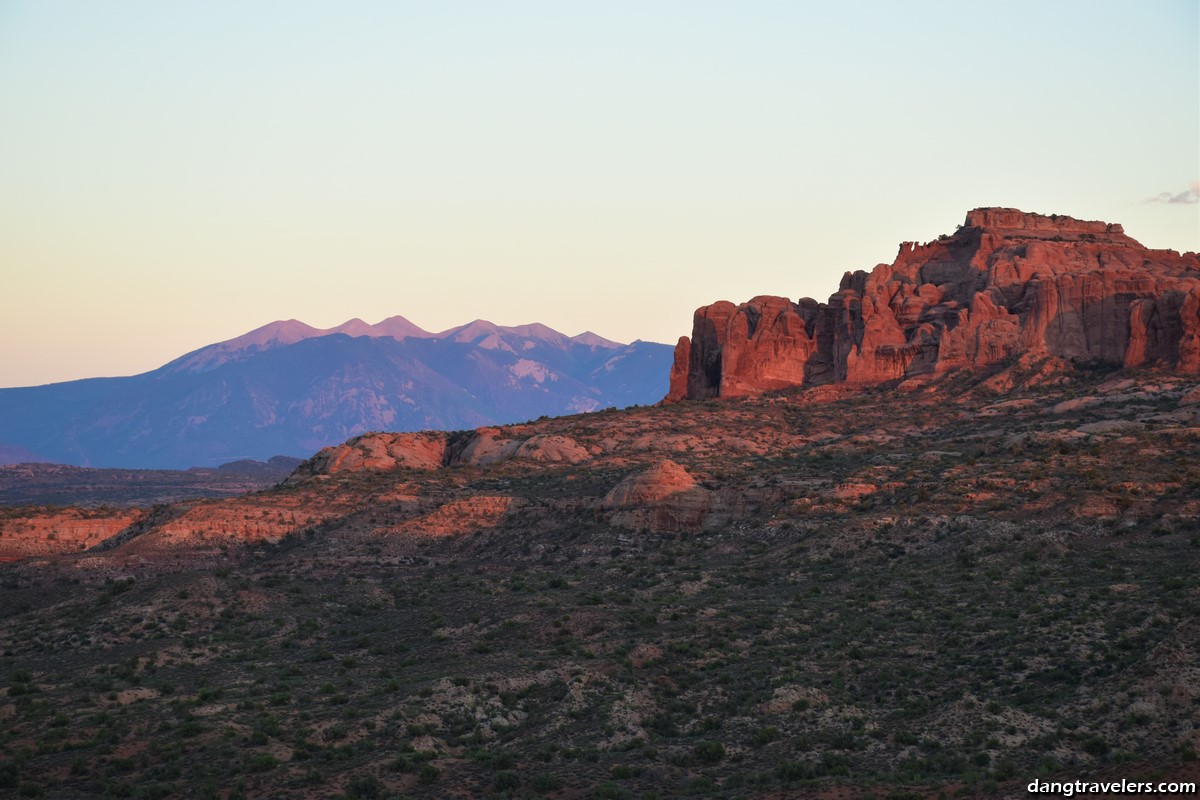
173 174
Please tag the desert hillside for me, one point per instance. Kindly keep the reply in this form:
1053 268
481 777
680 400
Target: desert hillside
952 588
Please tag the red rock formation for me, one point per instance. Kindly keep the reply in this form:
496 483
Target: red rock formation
664 498
487 446
552 449
430 450
378 451
1006 284
458 517
679 370
46 531
241 519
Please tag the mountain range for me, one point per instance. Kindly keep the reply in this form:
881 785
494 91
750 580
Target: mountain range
289 388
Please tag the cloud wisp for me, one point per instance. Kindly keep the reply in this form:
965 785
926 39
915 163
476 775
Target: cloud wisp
1186 197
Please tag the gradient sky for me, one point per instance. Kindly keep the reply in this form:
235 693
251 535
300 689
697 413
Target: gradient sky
175 173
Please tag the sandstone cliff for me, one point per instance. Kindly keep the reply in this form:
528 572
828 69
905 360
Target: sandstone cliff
1005 284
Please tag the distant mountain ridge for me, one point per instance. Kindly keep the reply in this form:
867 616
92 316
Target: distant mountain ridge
288 387
290 331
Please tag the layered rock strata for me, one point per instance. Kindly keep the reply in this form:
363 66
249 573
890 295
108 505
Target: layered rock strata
1005 284
43 531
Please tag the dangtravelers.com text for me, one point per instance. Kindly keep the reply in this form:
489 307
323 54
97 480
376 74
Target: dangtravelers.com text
1069 788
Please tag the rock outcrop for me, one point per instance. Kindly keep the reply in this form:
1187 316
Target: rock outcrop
458 517
1006 284
664 498
381 451
431 450
40 532
552 449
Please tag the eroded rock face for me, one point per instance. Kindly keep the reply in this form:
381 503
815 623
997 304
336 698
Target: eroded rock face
207 525
459 516
48 531
430 450
664 498
487 446
552 449
378 451
1006 284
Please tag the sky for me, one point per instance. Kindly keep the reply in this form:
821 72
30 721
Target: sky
174 174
